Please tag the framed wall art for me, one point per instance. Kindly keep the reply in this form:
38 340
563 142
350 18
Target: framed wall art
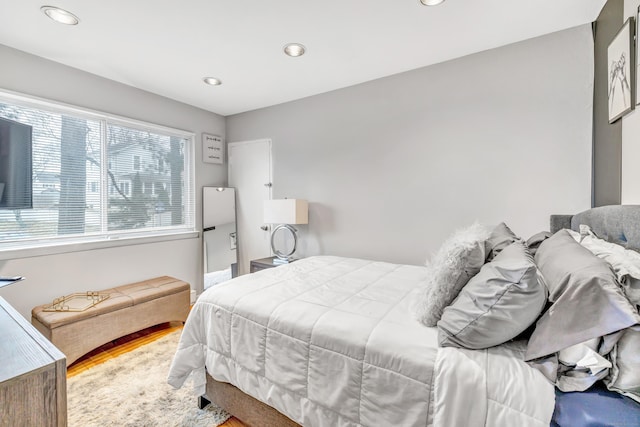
212 149
637 59
620 55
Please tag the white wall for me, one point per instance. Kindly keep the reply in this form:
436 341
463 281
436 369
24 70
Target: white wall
630 137
393 166
56 275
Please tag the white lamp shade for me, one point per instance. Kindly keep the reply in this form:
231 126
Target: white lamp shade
286 211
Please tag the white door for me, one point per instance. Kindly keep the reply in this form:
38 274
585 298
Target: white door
250 175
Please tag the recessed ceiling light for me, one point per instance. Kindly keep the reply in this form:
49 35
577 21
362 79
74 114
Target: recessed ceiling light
212 81
431 2
60 15
294 49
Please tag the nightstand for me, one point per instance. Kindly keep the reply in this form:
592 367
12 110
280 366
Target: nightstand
261 264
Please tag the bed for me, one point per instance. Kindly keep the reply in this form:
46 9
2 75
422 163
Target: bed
331 341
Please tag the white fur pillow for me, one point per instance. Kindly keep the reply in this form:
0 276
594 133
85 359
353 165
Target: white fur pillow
459 259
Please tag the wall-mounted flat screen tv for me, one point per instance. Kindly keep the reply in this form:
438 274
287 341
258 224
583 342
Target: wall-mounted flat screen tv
16 179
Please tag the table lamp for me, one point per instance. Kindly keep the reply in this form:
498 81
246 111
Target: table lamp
285 212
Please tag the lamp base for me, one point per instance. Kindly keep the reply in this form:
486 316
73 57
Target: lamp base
280 255
281 261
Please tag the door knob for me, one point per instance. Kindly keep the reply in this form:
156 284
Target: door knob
264 227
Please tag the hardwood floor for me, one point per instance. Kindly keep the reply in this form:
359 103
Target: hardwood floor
126 344
233 422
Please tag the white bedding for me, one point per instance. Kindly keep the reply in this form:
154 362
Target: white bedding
330 341
216 277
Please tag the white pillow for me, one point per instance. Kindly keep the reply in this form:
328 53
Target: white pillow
459 259
576 236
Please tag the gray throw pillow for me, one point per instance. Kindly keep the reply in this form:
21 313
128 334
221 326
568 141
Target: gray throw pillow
500 302
587 300
501 237
458 260
534 242
625 358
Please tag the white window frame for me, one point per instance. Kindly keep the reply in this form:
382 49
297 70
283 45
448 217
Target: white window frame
53 245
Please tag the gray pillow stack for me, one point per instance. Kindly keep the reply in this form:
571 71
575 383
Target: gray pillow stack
587 301
501 237
588 304
497 304
625 360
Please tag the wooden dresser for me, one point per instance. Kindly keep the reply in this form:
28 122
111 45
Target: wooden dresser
33 384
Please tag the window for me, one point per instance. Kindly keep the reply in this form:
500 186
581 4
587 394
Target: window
123 188
74 197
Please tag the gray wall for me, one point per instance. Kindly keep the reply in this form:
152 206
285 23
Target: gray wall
56 275
607 138
630 133
392 166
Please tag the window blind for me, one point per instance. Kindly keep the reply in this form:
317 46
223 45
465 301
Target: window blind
69 176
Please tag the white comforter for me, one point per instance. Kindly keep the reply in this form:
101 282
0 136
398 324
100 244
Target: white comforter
330 341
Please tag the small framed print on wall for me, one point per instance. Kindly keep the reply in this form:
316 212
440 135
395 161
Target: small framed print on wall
620 57
212 149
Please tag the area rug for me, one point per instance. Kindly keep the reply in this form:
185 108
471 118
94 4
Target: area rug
132 390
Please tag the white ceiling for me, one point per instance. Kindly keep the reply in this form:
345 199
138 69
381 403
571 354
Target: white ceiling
168 46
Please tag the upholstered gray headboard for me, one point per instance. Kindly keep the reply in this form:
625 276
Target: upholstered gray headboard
617 223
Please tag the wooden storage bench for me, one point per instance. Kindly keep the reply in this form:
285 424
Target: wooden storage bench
128 309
